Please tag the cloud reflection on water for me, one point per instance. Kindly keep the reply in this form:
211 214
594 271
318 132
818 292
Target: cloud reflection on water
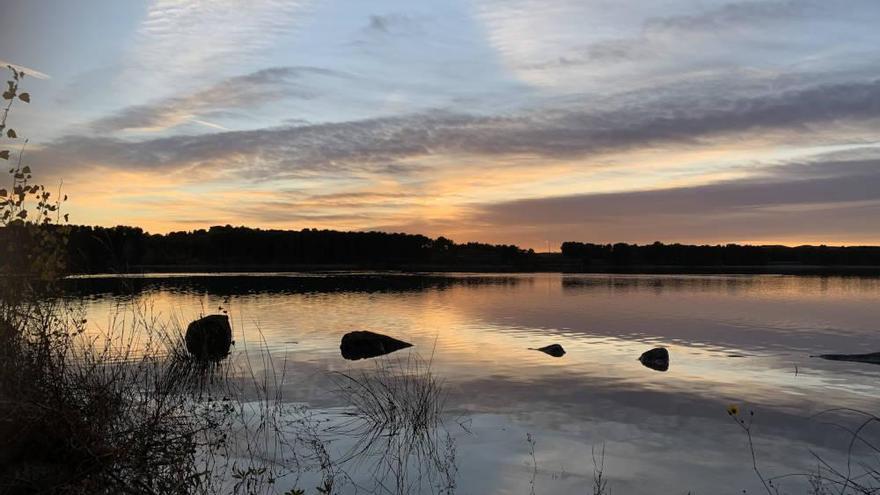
663 431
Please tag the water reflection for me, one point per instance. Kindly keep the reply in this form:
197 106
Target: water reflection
869 358
276 283
664 432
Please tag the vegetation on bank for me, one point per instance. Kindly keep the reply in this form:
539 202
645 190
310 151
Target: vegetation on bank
226 248
659 254
103 250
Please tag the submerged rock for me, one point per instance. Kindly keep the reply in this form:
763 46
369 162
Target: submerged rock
657 359
554 350
209 338
870 358
364 344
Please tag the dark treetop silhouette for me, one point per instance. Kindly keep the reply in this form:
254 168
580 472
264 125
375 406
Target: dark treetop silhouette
130 249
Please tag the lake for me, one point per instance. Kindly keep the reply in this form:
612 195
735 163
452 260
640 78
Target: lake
524 421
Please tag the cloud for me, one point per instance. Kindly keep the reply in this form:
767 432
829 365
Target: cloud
391 23
247 91
379 145
792 184
604 46
180 40
806 200
748 13
659 34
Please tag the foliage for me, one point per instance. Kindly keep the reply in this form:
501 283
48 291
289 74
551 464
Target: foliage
623 254
27 210
102 250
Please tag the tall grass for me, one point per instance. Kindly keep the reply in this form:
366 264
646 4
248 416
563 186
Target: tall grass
857 473
127 411
396 416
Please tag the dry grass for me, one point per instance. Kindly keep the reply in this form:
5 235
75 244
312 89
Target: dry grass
857 473
396 418
125 412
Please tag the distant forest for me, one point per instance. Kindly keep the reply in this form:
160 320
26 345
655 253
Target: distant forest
100 249
659 254
130 249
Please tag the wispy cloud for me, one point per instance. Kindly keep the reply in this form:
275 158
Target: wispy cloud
249 91
806 201
181 41
570 132
574 44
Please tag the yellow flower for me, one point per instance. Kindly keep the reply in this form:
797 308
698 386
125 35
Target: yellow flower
733 409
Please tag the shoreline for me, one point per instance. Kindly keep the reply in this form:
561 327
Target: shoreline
233 270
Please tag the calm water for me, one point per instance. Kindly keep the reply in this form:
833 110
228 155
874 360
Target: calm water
742 340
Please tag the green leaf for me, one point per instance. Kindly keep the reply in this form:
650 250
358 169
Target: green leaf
25 97
11 134
4 154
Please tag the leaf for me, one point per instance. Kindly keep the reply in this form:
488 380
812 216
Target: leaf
22 214
26 170
11 134
66 215
3 193
25 97
4 154
7 95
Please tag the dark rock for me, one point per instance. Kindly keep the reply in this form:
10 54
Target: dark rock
657 359
554 350
363 344
209 338
870 358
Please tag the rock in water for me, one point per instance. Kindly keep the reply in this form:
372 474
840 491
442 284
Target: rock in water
363 344
656 359
870 358
209 338
554 350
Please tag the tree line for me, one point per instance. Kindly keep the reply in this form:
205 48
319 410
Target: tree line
116 249
659 254
88 249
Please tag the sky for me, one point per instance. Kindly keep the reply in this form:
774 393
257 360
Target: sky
529 122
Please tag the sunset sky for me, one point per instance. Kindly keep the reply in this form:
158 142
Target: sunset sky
514 121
